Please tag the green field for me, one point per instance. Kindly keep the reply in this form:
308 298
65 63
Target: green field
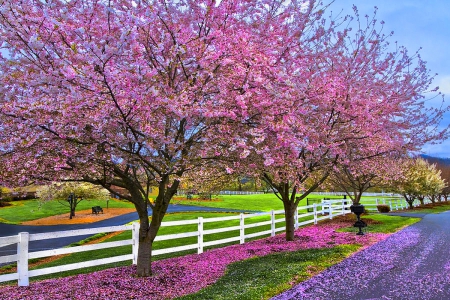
27 210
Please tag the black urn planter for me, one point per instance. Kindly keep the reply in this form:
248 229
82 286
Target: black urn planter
358 210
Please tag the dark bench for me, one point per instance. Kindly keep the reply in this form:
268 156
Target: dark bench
97 209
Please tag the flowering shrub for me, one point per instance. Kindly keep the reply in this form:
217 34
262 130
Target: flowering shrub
180 276
383 208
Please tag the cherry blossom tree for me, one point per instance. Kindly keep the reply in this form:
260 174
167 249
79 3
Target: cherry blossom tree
127 94
357 92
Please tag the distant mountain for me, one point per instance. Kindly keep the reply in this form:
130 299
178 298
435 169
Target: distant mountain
436 160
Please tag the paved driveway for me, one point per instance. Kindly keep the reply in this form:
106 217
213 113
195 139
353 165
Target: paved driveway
413 263
8 229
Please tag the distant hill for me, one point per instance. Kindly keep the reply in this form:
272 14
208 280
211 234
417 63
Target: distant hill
436 160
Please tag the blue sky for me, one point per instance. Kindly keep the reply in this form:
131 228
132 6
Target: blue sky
416 24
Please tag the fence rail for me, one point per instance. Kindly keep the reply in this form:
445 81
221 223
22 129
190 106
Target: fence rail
320 211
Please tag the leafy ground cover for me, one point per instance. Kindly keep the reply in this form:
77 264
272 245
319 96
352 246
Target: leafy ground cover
180 276
27 210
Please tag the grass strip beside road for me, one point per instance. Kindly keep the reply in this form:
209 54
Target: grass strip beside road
378 223
272 274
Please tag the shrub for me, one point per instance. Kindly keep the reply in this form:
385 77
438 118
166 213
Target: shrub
383 208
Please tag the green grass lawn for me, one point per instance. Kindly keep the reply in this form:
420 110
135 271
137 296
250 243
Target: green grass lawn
27 210
256 202
259 202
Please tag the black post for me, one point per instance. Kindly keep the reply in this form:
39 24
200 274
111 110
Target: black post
71 200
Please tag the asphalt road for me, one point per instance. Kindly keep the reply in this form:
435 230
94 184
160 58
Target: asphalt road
413 263
8 229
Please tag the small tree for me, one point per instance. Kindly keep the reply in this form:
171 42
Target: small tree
353 182
72 193
361 174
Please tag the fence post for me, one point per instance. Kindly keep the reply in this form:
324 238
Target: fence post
22 259
343 207
376 201
390 204
200 235
396 204
384 201
272 218
315 213
296 219
330 210
242 230
135 240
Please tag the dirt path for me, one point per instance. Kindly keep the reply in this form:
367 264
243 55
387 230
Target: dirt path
81 217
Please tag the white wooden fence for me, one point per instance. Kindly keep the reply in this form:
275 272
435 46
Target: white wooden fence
394 204
325 210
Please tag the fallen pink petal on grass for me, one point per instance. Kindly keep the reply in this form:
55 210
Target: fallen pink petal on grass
184 275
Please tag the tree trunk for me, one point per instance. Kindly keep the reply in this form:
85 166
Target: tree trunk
410 203
144 259
72 212
357 198
289 214
144 256
147 233
422 200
